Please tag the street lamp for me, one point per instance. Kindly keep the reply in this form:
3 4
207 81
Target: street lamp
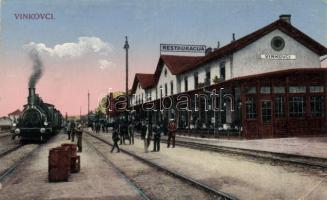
126 47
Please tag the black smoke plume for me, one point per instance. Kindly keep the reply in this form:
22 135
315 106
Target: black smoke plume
37 68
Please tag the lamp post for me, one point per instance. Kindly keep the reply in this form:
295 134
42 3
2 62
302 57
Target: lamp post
88 108
220 105
126 47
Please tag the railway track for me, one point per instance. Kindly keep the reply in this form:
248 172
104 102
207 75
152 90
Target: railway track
119 172
9 169
4 135
183 178
7 151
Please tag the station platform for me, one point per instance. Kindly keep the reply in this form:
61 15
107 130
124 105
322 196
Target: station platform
96 179
235 175
305 146
302 146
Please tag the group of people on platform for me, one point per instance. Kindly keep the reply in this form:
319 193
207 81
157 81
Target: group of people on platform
123 131
75 129
97 126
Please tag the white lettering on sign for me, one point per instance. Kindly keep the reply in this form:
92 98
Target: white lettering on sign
182 48
278 56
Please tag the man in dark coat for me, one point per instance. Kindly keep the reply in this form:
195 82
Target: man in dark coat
72 130
125 132
120 132
156 140
115 139
143 130
171 133
68 129
79 135
131 133
149 136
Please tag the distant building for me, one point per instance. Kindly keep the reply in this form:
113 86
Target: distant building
5 123
114 108
15 115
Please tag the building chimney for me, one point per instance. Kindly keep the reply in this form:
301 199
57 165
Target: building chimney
233 37
218 45
285 18
31 96
208 50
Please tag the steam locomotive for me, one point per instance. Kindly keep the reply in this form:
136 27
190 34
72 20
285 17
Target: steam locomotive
38 121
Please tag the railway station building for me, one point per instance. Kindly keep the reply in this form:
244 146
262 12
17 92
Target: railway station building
269 83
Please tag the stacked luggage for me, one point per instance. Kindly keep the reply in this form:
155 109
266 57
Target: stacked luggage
63 161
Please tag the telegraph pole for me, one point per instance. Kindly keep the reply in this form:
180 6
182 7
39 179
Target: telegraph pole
126 47
88 107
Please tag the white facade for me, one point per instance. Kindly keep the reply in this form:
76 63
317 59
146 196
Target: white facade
166 78
247 61
138 95
244 62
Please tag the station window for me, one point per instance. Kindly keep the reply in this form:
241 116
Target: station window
297 89
186 84
250 108
277 43
266 111
222 71
165 72
208 78
148 96
250 90
317 104
279 106
265 90
316 89
196 80
279 90
166 90
171 88
296 106
160 91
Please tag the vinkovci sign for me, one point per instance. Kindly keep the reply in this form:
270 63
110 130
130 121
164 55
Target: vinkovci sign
182 48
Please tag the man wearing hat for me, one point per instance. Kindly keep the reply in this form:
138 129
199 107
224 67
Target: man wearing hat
171 132
79 134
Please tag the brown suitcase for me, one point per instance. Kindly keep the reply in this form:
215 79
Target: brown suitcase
72 147
59 164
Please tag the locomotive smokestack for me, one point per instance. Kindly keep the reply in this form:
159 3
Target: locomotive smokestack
37 68
31 96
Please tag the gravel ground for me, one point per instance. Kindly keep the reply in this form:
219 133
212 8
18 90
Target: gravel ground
6 142
156 184
244 178
96 180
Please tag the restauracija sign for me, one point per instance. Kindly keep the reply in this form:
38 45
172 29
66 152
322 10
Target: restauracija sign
182 48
